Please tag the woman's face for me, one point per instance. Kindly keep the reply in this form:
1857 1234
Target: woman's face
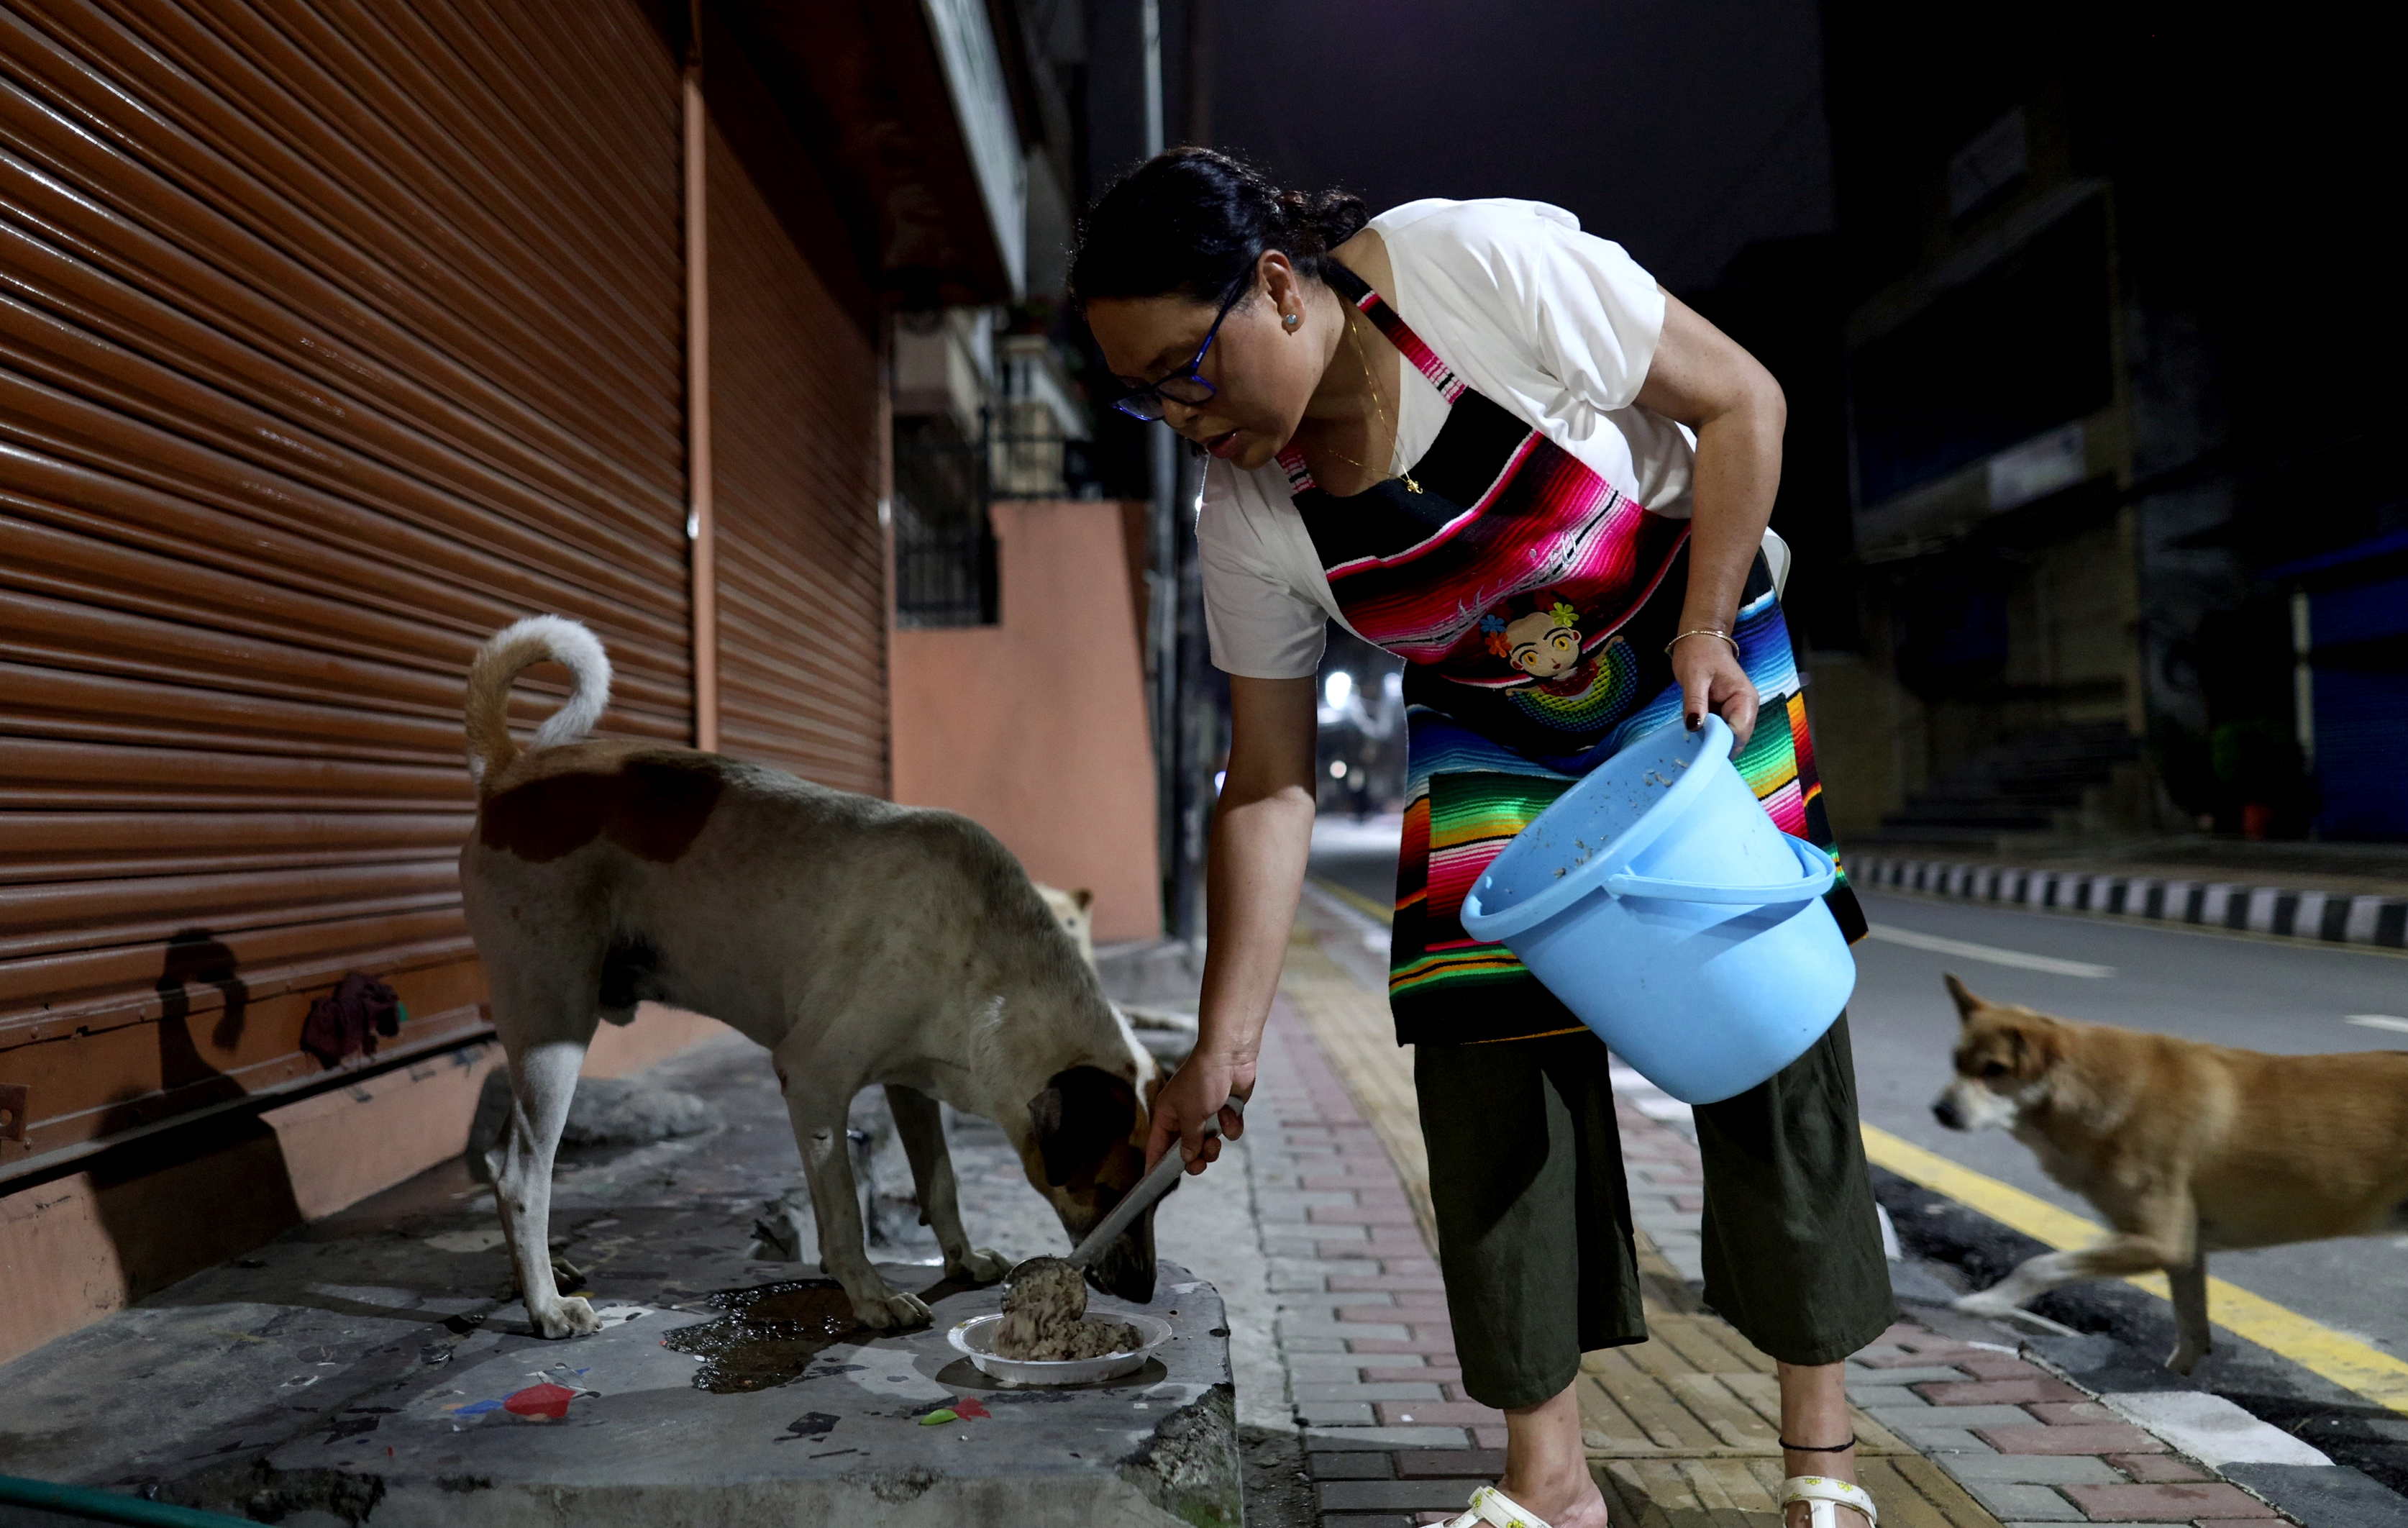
1263 373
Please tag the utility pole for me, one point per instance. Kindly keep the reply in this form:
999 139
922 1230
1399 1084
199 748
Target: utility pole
1162 639
1199 71
1152 22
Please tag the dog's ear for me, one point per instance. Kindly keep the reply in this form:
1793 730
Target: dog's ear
2036 1046
1966 1000
1082 1114
1045 1114
1085 898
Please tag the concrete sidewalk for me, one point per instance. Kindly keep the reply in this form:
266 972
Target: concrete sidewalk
376 1367
1960 1428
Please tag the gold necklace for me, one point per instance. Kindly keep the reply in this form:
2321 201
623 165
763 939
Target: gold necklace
1373 383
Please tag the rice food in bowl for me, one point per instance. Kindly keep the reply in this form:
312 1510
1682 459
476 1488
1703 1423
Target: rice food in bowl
1045 1318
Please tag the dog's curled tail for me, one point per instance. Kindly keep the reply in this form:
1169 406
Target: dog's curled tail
512 650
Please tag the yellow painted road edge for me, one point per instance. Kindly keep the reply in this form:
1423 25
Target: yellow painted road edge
2315 1346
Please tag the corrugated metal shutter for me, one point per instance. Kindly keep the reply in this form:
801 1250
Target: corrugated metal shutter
2361 612
2361 737
331 339
801 563
2361 704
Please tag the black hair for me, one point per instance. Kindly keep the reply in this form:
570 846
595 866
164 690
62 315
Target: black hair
1191 222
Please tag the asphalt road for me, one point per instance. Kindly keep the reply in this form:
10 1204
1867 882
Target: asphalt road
1361 856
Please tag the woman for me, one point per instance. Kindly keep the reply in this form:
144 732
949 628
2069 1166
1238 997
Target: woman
1491 444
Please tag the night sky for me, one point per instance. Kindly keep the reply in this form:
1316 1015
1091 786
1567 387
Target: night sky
1682 128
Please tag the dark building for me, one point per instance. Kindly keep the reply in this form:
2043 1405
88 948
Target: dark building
2120 391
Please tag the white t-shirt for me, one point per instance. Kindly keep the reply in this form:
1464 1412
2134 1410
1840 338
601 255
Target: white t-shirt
1554 325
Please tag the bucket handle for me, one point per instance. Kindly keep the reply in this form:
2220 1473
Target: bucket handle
1820 869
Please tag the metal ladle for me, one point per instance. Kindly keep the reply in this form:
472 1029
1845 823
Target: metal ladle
1133 1204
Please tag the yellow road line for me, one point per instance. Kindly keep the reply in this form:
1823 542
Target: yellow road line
1356 900
2343 1360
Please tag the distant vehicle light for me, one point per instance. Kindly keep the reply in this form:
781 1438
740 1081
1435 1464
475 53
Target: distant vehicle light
1339 686
1337 768
1219 776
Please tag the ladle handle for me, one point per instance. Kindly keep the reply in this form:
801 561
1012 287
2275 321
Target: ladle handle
1148 1189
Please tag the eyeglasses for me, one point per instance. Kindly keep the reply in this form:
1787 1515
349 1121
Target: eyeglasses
1187 384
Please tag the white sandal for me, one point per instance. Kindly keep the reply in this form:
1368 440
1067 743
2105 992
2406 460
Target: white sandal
1825 1496
1495 1509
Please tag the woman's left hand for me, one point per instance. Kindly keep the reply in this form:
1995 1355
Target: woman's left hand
1712 680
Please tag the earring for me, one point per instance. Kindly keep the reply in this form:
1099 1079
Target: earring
1291 320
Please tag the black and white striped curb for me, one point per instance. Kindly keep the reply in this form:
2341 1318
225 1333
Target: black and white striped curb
2284 912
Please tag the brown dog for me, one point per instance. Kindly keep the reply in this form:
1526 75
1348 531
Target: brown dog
2184 1149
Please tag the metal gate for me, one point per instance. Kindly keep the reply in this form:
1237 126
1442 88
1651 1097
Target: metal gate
331 339
800 561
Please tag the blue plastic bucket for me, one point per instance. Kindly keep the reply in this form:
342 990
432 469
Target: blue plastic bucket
1662 905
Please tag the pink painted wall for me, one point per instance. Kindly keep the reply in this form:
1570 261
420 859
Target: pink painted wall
1036 727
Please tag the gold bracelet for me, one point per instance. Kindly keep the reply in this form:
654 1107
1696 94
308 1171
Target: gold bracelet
1703 632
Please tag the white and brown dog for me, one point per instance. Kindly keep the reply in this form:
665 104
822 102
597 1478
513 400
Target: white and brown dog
2184 1149
1075 911
861 942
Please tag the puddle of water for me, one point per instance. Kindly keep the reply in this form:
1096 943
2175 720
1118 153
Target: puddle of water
769 1335
772 1331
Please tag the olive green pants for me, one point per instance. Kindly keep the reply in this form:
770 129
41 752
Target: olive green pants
1534 1215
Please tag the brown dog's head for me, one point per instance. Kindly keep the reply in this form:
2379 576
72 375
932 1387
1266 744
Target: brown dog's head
1085 1149
2003 1056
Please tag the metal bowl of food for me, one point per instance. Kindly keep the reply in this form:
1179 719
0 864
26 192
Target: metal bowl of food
975 1340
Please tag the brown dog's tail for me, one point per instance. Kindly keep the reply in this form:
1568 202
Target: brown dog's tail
514 649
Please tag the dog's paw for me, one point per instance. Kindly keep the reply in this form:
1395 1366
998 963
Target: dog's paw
980 1265
2185 1358
569 1317
1983 1303
891 1311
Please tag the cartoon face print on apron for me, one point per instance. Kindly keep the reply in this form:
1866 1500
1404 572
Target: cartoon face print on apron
1530 600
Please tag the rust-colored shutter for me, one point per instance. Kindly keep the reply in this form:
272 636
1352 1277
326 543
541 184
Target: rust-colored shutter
801 563
335 338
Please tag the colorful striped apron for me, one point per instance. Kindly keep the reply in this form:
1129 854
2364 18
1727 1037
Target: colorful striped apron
1531 603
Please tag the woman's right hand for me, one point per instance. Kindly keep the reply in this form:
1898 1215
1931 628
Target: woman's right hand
1200 1089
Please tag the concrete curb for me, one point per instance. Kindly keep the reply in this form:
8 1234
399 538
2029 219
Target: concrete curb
2281 912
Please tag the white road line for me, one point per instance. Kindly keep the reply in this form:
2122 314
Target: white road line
2379 1021
1967 949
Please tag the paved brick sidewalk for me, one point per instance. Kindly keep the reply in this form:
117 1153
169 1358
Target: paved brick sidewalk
1681 1429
